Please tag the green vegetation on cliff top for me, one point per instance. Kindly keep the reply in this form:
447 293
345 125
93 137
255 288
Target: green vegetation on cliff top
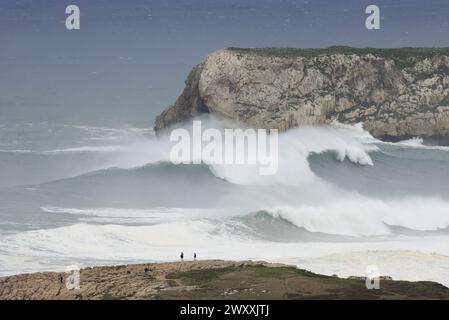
284 282
393 53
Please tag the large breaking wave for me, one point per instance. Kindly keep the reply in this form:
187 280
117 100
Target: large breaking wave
337 190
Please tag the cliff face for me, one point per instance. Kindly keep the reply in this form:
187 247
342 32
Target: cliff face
396 93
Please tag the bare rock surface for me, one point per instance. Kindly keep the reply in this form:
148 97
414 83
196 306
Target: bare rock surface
212 279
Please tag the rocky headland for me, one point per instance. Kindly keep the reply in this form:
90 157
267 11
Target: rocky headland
396 93
211 279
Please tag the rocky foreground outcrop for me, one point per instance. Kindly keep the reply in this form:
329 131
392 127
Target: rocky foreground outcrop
209 280
396 93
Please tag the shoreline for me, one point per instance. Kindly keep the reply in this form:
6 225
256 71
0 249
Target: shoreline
207 279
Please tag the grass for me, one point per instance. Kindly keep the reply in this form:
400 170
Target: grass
284 282
200 276
281 272
399 55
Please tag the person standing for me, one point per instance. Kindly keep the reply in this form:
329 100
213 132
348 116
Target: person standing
194 256
182 256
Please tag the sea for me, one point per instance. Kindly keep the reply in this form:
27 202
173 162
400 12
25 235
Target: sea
85 181
340 202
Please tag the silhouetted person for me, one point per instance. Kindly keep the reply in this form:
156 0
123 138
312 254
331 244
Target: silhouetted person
182 256
194 256
61 279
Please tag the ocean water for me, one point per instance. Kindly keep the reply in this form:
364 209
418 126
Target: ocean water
84 181
341 201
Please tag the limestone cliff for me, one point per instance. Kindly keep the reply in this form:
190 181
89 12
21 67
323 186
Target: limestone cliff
396 93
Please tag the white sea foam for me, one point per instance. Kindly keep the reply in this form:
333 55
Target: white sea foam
295 146
346 214
295 193
400 264
138 148
142 216
23 151
86 149
419 143
356 215
94 244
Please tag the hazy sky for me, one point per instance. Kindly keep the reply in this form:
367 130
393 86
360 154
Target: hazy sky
130 58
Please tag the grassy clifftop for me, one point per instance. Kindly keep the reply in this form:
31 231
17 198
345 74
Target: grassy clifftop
260 281
397 54
209 280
